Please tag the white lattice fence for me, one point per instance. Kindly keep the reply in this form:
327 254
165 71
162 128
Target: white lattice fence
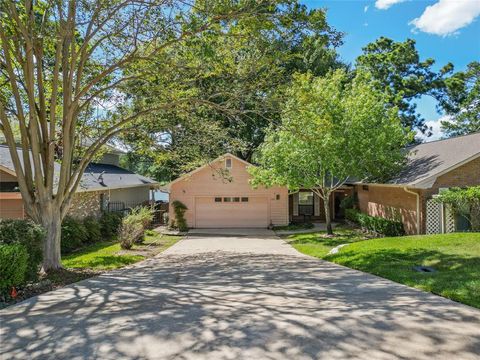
433 217
449 220
439 218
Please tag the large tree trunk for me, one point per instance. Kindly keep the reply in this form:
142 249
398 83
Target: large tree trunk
52 222
328 220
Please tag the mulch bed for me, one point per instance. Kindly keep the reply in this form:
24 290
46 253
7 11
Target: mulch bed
48 282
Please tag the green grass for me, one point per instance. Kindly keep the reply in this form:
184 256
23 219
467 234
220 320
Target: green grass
109 255
455 257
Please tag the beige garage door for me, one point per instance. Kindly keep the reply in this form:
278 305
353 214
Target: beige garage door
210 212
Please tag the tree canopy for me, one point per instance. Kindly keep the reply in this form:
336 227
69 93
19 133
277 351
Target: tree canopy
245 68
397 68
63 68
461 101
332 129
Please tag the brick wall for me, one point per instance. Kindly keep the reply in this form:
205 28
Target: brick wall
387 201
390 203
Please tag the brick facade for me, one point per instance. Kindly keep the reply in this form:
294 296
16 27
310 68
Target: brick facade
394 202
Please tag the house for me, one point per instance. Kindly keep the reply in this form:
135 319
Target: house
104 186
431 167
219 194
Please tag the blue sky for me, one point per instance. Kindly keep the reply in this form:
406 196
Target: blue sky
445 30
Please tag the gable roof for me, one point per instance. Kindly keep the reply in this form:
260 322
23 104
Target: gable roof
96 176
184 176
427 161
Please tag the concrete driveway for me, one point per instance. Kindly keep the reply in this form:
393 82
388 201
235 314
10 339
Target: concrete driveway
238 297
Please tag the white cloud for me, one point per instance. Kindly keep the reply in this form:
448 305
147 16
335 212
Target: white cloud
365 9
447 16
436 130
385 4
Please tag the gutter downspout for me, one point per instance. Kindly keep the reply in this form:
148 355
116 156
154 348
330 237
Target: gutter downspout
417 195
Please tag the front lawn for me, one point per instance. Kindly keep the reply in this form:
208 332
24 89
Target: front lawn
454 257
109 255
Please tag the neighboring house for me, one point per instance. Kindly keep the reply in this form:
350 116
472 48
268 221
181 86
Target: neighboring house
219 195
104 186
431 167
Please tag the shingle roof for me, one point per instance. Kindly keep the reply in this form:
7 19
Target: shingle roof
429 160
96 176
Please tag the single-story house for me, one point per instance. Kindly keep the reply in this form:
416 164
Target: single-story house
219 194
104 186
431 167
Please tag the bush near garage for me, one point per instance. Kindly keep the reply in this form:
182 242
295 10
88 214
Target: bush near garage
28 234
133 227
180 222
375 224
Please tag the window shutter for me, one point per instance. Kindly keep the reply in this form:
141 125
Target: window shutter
316 205
295 204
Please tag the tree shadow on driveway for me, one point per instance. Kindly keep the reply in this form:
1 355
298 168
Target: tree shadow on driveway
226 306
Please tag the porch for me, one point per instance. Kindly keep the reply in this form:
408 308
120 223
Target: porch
305 206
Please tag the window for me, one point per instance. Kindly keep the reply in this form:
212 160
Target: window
227 199
218 199
244 199
365 187
277 196
228 163
305 198
236 199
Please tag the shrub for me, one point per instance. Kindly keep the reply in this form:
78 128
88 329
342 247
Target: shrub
92 225
375 224
13 266
349 202
28 234
179 208
134 225
110 224
74 234
464 202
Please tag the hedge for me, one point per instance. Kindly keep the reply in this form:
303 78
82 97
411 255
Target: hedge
74 235
28 234
375 224
13 266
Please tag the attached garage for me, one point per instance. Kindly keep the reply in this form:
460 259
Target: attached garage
219 195
231 212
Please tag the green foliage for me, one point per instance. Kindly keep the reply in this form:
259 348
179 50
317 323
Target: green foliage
13 266
110 224
28 234
461 101
233 77
375 224
134 225
74 234
332 128
396 68
464 202
179 209
349 202
94 229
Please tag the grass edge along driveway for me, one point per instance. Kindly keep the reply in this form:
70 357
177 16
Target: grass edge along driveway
108 255
454 257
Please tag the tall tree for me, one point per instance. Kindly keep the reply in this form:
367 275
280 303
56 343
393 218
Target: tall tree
397 68
60 61
331 130
246 67
461 101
